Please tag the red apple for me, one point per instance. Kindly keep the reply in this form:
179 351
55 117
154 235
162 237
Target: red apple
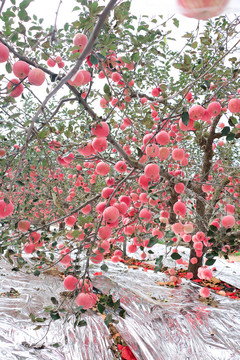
202 9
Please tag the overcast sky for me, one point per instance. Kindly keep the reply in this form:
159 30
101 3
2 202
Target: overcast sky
47 8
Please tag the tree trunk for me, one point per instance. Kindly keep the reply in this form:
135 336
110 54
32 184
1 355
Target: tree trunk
61 225
201 226
125 248
193 268
173 199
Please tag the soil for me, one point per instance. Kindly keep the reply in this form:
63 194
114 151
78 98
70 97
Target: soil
234 258
220 287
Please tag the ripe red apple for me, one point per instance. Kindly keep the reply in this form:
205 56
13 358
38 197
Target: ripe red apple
80 40
87 76
21 69
36 77
99 144
77 79
100 130
163 138
70 282
51 62
102 168
116 77
110 214
234 105
2 152
29 248
4 53
23 225
152 171
87 300
202 9
6 209
18 89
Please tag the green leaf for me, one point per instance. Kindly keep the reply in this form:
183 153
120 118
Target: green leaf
104 267
93 59
54 315
232 121
32 317
175 256
225 130
230 137
139 152
135 57
75 233
207 83
82 323
185 118
210 233
187 59
36 273
15 269
121 12
122 313
42 134
232 59
46 45
35 28
116 305
210 262
209 255
205 40
125 59
101 308
153 240
74 56
23 15
106 89
38 327
187 36
159 261
54 300
14 116
24 4
100 56
8 67
108 319
38 319
178 66
154 196
20 183
14 37
148 226
21 261
213 228
194 45
176 22
53 77
93 7
183 67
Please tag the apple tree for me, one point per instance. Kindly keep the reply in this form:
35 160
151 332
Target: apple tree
113 140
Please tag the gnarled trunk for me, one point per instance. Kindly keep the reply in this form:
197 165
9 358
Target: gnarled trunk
201 226
193 268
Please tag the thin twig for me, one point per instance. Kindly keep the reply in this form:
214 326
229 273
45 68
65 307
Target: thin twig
53 36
